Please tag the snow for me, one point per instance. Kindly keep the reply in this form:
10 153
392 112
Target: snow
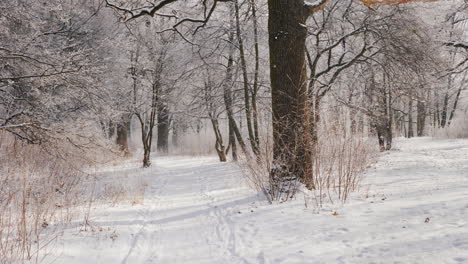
314 3
412 208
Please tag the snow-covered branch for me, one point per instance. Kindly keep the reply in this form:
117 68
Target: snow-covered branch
5 127
314 6
457 44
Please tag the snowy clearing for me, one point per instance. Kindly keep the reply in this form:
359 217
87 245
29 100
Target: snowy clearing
412 208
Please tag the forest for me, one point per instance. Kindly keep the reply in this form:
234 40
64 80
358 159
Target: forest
233 131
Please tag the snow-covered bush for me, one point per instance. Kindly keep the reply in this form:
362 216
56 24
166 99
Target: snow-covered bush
458 129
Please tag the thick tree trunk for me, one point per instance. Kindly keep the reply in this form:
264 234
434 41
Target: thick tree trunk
219 145
163 128
111 129
146 157
232 143
381 138
383 128
122 136
388 135
292 157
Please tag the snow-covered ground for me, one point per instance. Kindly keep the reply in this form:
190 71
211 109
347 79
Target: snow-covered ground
412 208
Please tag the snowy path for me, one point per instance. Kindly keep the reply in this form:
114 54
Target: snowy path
195 212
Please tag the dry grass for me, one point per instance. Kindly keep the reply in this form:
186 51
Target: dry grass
120 193
339 165
39 194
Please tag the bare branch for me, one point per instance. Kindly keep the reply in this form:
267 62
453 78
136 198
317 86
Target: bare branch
143 11
315 6
7 127
457 45
41 75
370 3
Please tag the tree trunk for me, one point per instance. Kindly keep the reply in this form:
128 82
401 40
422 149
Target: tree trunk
146 157
256 74
219 146
111 129
163 128
443 118
421 119
227 95
175 133
292 159
388 119
122 136
397 120
410 118
314 123
247 105
352 117
388 134
380 136
455 104
232 143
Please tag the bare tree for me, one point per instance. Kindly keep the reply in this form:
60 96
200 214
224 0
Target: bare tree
288 73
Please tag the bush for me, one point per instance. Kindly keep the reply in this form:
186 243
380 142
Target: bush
39 190
339 165
457 129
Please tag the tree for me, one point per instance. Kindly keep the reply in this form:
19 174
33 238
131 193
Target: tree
153 79
288 73
51 69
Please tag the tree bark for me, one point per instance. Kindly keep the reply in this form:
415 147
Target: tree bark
443 118
410 118
234 131
380 136
292 159
437 112
163 128
421 119
175 132
388 118
455 105
232 143
122 136
219 145
146 157
388 133
247 105
256 73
